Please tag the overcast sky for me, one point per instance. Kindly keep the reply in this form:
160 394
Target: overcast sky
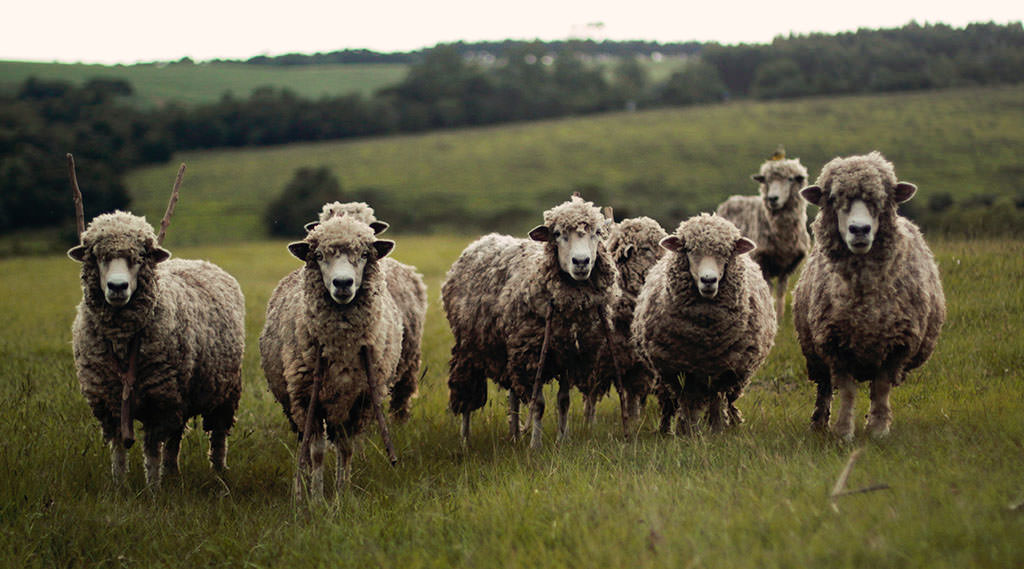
123 31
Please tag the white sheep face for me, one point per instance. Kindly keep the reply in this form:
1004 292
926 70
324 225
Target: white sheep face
707 271
577 251
777 192
118 279
342 272
858 225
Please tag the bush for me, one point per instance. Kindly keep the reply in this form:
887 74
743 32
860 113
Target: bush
301 200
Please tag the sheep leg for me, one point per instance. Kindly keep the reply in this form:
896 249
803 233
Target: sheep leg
716 414
171 449
537 399
669 395
843 427
880 415
513 415
378 410
819 373
317 449
464 429
151 450
343 474
311 428
563 410
619 386
118 460
781 284
589 409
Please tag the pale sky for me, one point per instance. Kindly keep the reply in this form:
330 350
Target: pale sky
122 31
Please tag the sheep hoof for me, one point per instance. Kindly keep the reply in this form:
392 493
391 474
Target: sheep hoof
878 431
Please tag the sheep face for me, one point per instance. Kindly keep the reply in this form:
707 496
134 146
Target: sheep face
858 209
576 247
707 254
779 181
341 248
858 225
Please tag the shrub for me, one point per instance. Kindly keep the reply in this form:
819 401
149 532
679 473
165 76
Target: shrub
301 200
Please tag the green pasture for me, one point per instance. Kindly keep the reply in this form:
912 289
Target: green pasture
667 164
158 84
757 496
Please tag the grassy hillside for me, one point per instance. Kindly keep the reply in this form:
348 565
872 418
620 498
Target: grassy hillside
664 163
754 497
157 84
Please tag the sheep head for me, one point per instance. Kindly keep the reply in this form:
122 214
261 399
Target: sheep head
116 248
708 244
779 181
858 197
575 229
342 249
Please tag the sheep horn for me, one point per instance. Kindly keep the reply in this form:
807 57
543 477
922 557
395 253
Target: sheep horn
76 194
375 399
166 221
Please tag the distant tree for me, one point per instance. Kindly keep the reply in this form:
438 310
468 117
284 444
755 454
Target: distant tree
300 201
698 82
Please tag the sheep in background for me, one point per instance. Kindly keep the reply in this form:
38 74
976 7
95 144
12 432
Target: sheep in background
410 294
634 245
776 220
514 302
869 305
332 337
706 313
166 334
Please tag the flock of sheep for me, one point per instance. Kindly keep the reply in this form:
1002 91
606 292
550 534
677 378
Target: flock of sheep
687 316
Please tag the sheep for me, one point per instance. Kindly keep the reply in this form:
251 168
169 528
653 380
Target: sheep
704 312
523 311
410 294
331 343
776 220
869 305
156 340
634 245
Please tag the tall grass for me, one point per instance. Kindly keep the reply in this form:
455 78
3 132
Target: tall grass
754 497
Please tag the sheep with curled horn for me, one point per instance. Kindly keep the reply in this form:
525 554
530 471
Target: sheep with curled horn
155 340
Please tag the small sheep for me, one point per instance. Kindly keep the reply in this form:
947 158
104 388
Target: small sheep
776 220
331 343
513 303
704 312
156 340
634 245
410 294
869 305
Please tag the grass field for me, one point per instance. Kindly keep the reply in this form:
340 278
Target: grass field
158 84
754 497
666 164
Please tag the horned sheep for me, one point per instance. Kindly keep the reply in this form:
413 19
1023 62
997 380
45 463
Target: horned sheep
156 340
410 294
869 305
513 302
776 220
706 313
330 346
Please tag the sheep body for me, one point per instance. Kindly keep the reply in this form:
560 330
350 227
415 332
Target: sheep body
865 317
500 294
188 317
717 342
779 227
306 332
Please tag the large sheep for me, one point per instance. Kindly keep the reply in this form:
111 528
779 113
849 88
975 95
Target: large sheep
410 294
172 330
511 302
706 313
634 245
776 220
333 335
869 305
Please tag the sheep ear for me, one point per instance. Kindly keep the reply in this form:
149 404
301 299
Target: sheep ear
311 226
672 243
757 178
903 192
159 254
541 233
379 227
743 245
77 253
300 249
383 247
812 194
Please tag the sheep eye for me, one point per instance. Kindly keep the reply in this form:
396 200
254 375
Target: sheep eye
558 234
319 256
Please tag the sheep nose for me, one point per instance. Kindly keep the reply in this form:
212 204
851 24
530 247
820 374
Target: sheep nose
773 199
342 283
117 286
583 261
859 230
708 280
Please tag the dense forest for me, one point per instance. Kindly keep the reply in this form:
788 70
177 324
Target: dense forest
462 84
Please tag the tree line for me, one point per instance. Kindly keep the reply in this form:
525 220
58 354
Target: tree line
462 84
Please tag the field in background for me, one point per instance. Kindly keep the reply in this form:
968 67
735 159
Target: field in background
753 497
666 164
188 83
